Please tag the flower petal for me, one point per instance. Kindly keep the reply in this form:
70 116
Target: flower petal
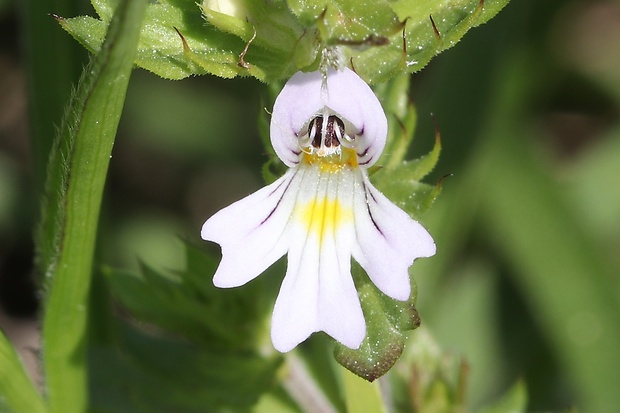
295 314
303 97
388 241
297 103
355 101
252 231
318 293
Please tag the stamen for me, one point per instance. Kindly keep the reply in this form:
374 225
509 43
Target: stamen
334 132
314 136
326 134
348 141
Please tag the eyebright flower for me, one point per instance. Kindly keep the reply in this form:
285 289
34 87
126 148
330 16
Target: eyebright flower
328 129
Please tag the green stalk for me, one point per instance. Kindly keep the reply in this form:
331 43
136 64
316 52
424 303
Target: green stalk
76 177
361 395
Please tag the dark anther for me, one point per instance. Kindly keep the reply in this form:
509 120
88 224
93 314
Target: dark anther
334 131
314 131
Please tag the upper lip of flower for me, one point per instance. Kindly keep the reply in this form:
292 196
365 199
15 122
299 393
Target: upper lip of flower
339 93
322 212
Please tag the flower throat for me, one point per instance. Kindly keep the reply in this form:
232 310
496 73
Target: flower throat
329 144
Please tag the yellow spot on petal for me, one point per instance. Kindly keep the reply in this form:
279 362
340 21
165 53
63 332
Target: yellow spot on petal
334 162
324 216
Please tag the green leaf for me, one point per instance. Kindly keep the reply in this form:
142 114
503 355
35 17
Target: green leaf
105 8
147 373
189 347
419 168
415 42
432 27
271 40
188 304
70 211
17 392
416 169
387 321
402 118
384 39
274 39
167 25
359 23
398 179
265 41
402 185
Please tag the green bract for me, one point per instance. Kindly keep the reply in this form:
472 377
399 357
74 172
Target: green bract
271 40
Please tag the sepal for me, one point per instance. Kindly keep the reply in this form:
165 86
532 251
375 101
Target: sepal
387 322
402 183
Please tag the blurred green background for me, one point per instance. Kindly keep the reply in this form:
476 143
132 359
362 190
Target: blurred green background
526 281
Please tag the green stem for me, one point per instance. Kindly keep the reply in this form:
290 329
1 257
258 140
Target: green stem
76 178
361 395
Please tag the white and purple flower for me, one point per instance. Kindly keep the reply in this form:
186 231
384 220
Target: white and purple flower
328 129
